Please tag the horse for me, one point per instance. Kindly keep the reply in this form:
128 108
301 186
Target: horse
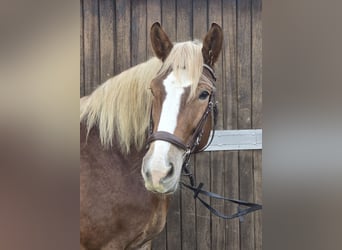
136 131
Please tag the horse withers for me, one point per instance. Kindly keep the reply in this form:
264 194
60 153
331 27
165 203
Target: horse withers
136 131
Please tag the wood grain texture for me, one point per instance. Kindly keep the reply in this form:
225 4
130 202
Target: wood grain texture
123 35
82 87
232 231
188 215
245 115
91 46
138 32
168 18
188 218
107 17
257 114
115 36
217 158
153 11
202 160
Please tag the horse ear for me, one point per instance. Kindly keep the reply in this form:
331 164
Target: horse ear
212 44
161 43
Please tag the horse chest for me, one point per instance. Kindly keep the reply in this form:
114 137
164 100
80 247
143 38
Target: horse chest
122 214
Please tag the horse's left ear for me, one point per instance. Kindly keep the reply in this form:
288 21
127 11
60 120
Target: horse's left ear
161 43
212 44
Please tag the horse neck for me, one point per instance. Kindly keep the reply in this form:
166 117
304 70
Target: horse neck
93 143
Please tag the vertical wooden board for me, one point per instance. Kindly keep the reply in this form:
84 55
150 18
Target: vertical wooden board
184 20
203 219
153 11
244 115
246 193
173 230
153 14
257 167
188 215
257 113
123 36
188 219
160 241
232 232
229 64
91 46
168 18
82 90
217 158
202 160
138 32
256 64
107 39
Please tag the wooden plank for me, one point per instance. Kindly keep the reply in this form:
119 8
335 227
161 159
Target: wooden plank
123 36
217 158
232 230
257 113
139 32
91 46
107 12
82 87
153 14
153 11
188 219
184 20
169 14
244 116
257 169
202 160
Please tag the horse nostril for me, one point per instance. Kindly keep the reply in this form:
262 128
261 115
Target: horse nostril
170 172
147 174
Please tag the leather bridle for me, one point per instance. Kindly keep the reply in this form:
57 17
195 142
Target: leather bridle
191 147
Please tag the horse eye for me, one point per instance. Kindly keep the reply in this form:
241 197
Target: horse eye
204 95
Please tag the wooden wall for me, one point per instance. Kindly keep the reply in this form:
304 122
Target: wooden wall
114 37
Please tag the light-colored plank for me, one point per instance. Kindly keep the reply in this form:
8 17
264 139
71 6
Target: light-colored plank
245 139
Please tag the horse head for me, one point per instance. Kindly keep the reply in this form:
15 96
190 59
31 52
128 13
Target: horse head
183 106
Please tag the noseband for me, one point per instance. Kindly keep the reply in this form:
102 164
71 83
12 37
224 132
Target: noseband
195 140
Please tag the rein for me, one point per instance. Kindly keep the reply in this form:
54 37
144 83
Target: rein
190 148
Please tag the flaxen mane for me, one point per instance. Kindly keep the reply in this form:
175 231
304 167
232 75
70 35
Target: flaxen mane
121 106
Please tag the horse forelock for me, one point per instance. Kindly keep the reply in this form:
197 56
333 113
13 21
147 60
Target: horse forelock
120 107
185 61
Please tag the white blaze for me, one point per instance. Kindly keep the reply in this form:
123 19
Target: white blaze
169 114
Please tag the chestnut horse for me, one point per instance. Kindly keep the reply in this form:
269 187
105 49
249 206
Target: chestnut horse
136 130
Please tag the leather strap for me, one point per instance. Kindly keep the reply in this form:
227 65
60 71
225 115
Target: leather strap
251 207
166 136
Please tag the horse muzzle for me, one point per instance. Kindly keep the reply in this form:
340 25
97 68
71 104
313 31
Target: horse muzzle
161 172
